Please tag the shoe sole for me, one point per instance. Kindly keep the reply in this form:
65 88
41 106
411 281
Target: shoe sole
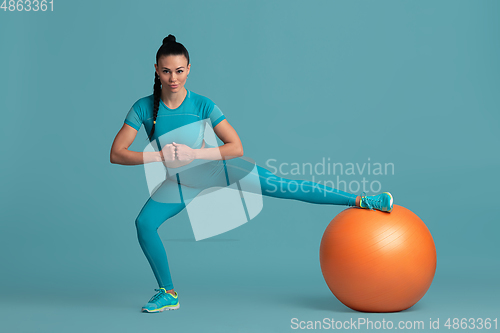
165 308
390 204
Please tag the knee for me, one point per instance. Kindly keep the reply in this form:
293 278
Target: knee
144 223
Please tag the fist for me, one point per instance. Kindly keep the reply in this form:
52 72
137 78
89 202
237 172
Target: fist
168 152
183 152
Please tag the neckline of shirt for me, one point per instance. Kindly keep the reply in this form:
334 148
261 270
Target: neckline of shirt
177 108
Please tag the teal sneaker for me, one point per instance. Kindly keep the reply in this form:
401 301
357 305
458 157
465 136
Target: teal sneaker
162 301
382 202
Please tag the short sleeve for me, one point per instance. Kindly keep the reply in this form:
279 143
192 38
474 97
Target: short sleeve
216 116
133 119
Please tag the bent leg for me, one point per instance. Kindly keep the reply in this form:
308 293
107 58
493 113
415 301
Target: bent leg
151 217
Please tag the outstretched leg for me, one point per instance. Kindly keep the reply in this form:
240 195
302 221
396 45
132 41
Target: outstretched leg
278 187
302 190
227 172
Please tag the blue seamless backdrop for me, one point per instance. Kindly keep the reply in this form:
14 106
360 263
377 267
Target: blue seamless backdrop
411 83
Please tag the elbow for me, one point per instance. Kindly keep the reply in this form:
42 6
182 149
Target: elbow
112 157
240 151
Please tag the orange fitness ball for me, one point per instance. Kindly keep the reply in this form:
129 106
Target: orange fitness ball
375 261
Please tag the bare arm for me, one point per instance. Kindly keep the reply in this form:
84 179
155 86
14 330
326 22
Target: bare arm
231 148
121 155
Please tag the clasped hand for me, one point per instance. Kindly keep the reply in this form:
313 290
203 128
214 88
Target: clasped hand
177 151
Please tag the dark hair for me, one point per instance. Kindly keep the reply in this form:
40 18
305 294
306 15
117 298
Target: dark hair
169 47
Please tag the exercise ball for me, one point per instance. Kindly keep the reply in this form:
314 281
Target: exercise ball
375 261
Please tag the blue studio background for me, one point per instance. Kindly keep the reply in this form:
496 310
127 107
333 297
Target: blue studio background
412 83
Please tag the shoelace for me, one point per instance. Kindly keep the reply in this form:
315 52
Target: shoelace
160 294
370 202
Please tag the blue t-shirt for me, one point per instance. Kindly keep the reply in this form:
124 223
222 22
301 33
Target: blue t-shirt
185 124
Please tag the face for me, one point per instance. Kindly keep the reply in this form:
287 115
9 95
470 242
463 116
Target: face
173 71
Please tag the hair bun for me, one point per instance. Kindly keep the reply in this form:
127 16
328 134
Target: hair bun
169 38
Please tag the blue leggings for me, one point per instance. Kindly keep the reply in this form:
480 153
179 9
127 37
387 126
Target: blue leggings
188 181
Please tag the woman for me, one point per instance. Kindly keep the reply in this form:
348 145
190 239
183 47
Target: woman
174 119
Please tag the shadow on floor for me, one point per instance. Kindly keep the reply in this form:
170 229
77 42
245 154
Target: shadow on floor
326 303
192 240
